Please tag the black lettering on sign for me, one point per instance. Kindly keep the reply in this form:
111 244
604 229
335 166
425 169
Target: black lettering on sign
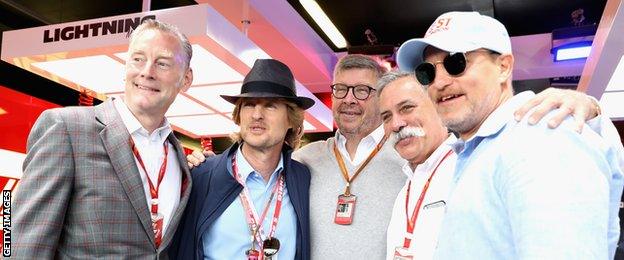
95 29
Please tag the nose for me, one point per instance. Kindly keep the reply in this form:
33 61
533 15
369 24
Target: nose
397 123
257 112
442 78
350 97
147 71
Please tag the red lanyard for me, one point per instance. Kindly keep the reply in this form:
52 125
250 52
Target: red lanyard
343 168
411 222
255 223
161 173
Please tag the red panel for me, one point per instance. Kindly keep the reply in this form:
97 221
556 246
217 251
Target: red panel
21 113
325 97
187 151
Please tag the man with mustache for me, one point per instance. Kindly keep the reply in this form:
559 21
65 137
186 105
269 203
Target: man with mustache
420 137
339 230
358 166
518 190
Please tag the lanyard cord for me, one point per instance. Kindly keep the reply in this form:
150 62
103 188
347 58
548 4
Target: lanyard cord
251 215
161 173
343 168
411 222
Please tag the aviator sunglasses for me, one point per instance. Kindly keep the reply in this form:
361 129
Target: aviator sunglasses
454 64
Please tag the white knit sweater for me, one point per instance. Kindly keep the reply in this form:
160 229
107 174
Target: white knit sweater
376 188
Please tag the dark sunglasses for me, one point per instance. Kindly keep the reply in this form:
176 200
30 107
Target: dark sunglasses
454 64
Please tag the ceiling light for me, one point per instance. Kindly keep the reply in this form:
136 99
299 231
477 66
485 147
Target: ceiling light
221 56
572 51
572 43
211 95
307 126
611 105
183 105
323 22
11 163
205 125
99 73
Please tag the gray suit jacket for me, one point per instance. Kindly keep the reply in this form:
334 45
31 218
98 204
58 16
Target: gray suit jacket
81 195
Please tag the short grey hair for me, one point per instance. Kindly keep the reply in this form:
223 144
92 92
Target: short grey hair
358 61
152 24
392 76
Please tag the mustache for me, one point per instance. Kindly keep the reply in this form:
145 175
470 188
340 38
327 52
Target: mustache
257 123
350 107
406 132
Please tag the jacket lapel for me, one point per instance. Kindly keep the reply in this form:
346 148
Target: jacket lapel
186 191
115 138
292 183
220 186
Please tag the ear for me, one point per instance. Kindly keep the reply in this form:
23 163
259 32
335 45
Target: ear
505 63
187 80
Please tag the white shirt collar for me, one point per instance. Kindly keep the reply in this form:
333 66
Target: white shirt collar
364 148
134 126
433 160
374 136
245 169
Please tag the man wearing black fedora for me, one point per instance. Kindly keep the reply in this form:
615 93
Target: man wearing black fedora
360 133
251 201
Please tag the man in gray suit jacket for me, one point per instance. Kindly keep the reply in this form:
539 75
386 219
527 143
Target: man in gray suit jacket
109 181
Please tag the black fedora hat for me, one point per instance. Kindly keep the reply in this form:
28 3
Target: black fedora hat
270 78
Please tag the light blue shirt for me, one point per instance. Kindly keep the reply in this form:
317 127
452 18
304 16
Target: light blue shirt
229 237
530 192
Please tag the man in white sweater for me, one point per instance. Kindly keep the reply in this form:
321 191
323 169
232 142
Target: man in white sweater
353 225
372 165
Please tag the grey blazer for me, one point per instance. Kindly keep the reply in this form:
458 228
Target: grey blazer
81 195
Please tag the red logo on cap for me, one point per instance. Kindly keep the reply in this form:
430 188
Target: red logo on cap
441 24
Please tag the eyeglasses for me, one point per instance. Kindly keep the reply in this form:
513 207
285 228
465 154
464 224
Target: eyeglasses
360 92
454 64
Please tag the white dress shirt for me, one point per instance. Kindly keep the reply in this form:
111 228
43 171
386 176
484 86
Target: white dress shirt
150 147
431 214
364 148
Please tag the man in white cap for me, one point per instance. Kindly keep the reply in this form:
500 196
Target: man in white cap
518 190
420 137
355 103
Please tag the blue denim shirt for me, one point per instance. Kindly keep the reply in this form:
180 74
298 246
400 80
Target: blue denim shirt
530 192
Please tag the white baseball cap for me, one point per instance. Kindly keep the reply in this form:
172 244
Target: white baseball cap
456 32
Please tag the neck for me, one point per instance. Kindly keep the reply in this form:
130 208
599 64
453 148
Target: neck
352 143
149 123
504 97
354 139
263 161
